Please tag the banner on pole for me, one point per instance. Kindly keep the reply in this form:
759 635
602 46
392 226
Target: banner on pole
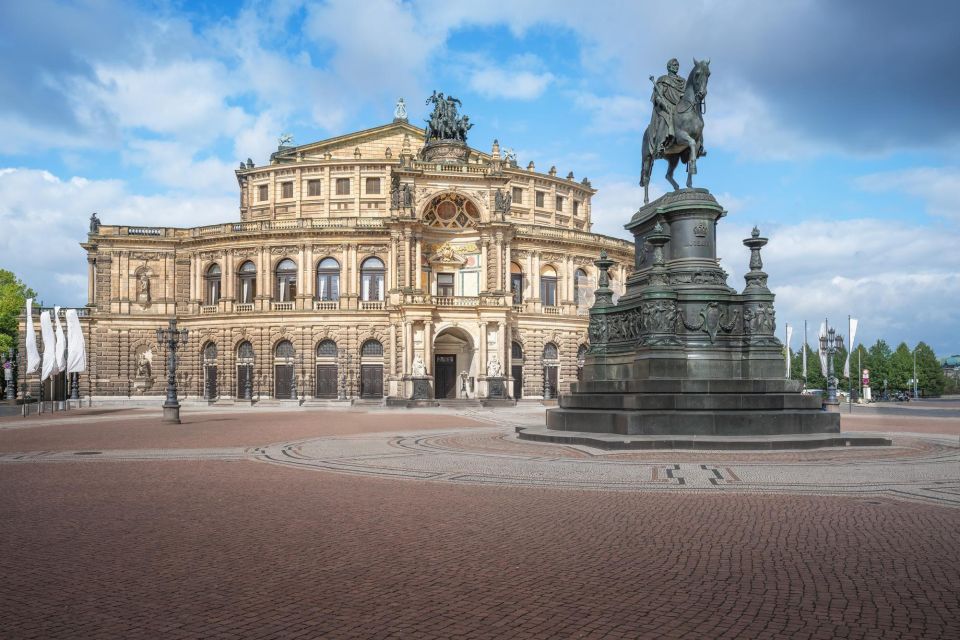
820 349
789 338
33 354
852 334
76 347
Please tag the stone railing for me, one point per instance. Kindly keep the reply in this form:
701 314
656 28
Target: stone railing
144 231
371 305
456 301
256 226
326 305
209 308
552 311
243 307
281 306
572 235
82 312
519 308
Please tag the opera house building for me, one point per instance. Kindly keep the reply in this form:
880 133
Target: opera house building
359 266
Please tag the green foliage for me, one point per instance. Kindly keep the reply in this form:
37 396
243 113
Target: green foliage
930 377
901 368
13 295
879 365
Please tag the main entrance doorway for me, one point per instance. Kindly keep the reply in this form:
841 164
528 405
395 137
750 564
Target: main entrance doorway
516 369
445 375
371 370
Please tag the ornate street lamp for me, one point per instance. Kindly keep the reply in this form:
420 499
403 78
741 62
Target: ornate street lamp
830 343
174 338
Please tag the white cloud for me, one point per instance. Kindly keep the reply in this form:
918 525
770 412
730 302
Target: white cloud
522 78
937 187
45 218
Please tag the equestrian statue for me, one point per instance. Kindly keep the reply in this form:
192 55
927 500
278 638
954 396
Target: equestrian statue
675 132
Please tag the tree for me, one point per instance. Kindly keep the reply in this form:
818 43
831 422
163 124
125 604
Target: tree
901 368
859 360
878 363
13 295
930 378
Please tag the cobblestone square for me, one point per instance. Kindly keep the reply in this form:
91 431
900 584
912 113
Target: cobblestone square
441 524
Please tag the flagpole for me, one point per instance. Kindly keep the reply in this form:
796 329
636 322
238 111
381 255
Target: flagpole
804 354
850 377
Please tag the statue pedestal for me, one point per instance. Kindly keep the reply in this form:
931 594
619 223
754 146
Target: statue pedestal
421 387
682 360
417 392
496 387
171 413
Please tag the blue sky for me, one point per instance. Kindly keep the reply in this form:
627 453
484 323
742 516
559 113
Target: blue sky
832 126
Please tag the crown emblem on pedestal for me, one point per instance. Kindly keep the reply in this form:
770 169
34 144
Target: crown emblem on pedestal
700 230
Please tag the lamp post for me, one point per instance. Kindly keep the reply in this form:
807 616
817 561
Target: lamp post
830 343
174 338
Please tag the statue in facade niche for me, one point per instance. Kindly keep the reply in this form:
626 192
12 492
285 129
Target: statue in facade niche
143 287
675 132
502 201
418 366
145 364
494 368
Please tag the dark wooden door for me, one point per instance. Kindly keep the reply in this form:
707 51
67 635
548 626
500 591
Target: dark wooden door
283 381
517 373
210 381
445 376
550 374
371 381
326 381
244 375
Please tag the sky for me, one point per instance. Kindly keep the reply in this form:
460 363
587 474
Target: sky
832 126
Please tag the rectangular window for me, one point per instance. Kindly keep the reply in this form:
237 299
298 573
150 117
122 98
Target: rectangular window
263 192
517 195
516 287
548 291
540 198
286 189
343 186
313 187
445 284
373 186
559 203
576 207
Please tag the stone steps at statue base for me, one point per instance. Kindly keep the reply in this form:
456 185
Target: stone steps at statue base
610 441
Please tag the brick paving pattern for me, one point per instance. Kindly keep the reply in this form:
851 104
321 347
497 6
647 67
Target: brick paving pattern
234 548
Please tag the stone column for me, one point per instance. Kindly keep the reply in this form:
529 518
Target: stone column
508 359
407 346
263 278
528 281
392 268
501 344
417 269
328 190
91 278
393 349
428 345
507 268
498 252
301 270
485 282
482 369
310 281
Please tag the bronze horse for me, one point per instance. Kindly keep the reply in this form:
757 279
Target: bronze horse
687 144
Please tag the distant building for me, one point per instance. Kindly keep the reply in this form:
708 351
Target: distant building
951 366
357 261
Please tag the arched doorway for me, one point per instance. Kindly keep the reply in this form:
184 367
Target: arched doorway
326 386
210 390
245 361
516 369
371 370
452 356
283 371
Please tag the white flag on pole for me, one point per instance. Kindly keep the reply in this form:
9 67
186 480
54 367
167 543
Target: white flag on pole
789 338
76 347
823 354
852 334
33 355
804 349
61 342
49 347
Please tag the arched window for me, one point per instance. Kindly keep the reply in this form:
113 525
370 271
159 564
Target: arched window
328 279
212 281
516 282
371 279
548 286
327 349
550 352
579 287
245 352
284 350
371 348
516 352
210 353
451 211
247 279
286 281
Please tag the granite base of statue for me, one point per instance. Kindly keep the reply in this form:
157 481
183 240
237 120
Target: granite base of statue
683 360
496 387
422 388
